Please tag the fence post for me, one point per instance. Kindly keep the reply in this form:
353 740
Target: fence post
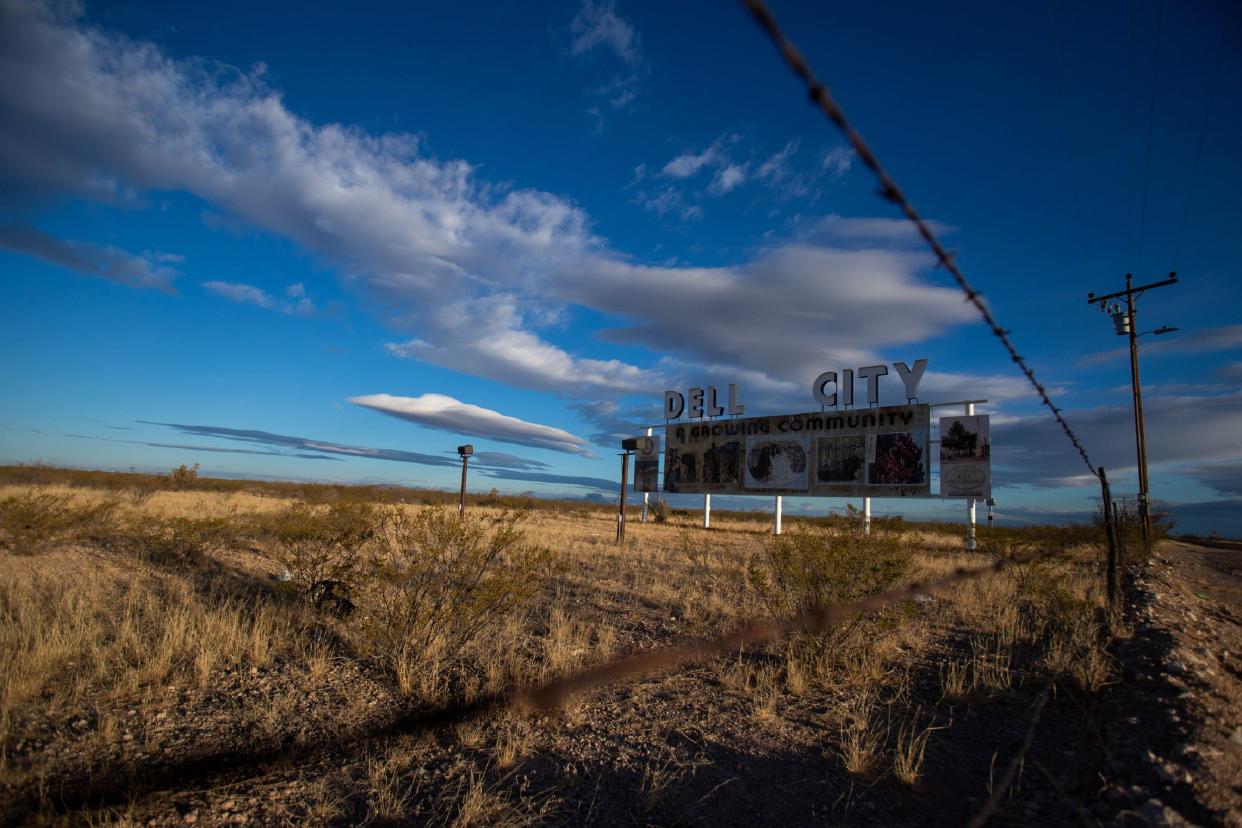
1110 530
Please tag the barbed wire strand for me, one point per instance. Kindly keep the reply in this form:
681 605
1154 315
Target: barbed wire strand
1151 120
889 190
1203 131
998 793
124 783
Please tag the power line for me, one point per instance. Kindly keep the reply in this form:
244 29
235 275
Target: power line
1207 112
1130 164
889 190
1151 119
1058 59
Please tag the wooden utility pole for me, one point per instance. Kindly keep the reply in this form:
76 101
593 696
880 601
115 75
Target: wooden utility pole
1124 324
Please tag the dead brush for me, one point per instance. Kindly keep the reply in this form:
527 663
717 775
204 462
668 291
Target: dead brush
803 569
33 522
861 737
323 548
475 803
910 749
172 542
437 581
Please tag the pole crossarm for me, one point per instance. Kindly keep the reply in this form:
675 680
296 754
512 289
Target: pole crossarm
1092 298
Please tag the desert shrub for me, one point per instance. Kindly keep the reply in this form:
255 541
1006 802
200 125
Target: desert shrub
321 545
438 581
178 541
1129 525
805 568
33 522
1071 630
709 560
183 477
659 510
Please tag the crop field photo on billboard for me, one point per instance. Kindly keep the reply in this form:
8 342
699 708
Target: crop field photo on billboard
841 461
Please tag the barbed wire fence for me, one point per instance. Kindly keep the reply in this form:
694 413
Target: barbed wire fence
102 788
820 96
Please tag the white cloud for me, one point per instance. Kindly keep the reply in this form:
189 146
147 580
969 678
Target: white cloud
1225 477
869 232
467 271
776 168
294 302
790 311
837 161
690 163
597 25
1198 341
728 178
1178 429
448 414
147 271
488 337
668 200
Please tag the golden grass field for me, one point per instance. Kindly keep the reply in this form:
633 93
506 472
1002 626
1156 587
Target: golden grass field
160 630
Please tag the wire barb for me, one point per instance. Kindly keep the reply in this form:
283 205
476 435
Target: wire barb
891 192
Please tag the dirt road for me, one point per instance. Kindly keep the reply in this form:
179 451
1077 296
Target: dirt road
1174 735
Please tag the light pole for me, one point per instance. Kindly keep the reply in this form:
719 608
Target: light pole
465 452
1123 325
628 446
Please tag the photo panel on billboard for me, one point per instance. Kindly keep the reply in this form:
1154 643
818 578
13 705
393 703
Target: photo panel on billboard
881 452
965 456
898 458
841 461
778 463
681 469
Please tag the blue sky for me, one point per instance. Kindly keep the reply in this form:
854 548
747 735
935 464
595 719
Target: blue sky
333 244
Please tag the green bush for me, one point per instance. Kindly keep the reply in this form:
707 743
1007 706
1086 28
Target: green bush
438 581
804 568
31 523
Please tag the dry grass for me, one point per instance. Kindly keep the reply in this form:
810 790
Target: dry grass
98 627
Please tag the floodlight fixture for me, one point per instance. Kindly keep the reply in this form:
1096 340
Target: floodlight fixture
466 450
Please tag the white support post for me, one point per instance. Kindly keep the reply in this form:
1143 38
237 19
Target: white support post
776 527
866 517
707 511
646 495
971 543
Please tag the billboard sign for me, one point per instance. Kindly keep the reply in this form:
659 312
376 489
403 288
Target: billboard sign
647 465
874 452
965 457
